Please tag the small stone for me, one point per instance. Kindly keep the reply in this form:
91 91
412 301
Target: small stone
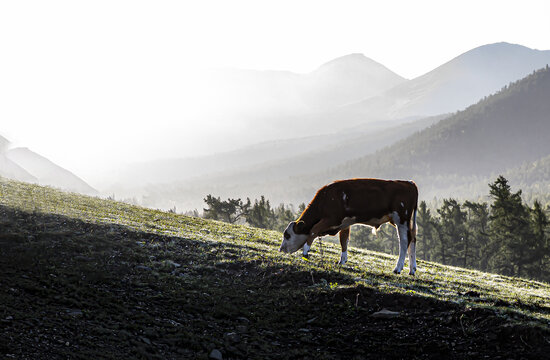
74 312
232 337
215 354
241 328
385 314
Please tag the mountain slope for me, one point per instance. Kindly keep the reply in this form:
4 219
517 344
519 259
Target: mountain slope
458 83
46 172
499 133
347 79
280 165
10 169
86 278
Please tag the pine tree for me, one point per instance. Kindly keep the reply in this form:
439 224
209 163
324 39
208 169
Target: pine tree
427 232
538 267
261 215
477 227
509 229
452 232
229 211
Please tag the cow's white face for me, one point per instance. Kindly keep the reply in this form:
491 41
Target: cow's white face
291 241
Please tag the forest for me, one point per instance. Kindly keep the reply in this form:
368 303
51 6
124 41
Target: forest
505 235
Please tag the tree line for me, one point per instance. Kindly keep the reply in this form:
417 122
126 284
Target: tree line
504 236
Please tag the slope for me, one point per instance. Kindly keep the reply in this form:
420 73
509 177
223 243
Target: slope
48 173
499 133
85 278
10 169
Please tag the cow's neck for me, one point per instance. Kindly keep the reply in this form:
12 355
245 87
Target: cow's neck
310 217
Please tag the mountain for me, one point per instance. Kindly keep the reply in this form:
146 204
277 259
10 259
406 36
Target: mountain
346 80
46 172
4 143
256 170
498 133
350 142
457 156
270 104
456 84
10 169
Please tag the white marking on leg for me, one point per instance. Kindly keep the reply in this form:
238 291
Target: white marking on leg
402 205
403 242
412 258
306 249
343 257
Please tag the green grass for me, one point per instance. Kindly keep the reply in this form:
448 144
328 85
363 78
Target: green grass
85 278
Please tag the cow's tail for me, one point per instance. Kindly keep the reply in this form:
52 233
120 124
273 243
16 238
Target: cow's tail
413 222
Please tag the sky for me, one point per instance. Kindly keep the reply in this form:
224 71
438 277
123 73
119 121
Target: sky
95 84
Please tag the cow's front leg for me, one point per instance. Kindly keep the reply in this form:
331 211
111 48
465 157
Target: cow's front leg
403 245
305 252
344 238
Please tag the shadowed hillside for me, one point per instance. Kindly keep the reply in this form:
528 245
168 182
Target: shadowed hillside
85 278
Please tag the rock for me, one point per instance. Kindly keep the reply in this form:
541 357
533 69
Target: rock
215 354
472 293
241 328
385 314
232 337
74 312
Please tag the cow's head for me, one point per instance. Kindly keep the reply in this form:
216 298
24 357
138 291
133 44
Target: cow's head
293 238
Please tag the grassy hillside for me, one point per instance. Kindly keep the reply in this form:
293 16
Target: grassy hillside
89 278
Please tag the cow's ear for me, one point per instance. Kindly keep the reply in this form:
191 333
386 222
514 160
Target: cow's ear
299 227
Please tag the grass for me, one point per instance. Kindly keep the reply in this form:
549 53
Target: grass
84 277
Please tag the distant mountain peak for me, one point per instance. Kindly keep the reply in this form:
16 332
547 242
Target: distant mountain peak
356 62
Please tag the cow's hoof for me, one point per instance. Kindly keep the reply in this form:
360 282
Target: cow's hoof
395 271
412 272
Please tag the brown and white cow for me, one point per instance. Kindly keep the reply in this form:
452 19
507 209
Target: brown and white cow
371 202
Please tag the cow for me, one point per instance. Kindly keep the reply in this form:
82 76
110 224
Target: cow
343 203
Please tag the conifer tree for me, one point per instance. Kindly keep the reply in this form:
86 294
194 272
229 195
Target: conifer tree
509 229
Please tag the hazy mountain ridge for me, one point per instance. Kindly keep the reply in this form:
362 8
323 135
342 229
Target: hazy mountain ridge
264 178
499 133
25 165
458 83
292 178
457 156
47 172
10 169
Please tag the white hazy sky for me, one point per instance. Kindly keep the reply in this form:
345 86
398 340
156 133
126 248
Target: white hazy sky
90 84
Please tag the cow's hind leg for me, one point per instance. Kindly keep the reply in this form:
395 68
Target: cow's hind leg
412 251
402 230
344 238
